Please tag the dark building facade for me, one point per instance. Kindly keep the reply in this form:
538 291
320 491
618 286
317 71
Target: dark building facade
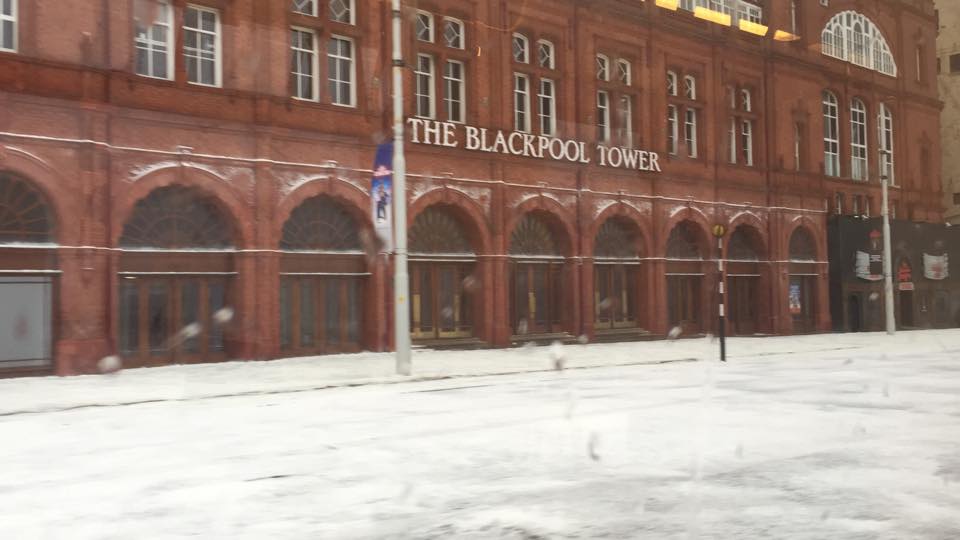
926 292
190 181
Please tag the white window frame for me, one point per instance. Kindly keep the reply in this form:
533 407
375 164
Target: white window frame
351 12
461 35
524 53
746 100
671 83
430 26
797 145
626 120
673 129
312 4
218 48
854 38
455 90
603 68
886 142
149 45
425 86
352 64
521 103
603 116
732 133
690 131
859 162
314 66
547 110
690 87
746 131
831 134
12 19
624 72
542 45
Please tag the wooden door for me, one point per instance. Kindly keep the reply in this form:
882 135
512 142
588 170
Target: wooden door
615 296
743 301
320 315
440 306
683 302
537 297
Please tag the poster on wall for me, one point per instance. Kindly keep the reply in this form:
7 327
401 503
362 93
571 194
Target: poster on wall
381 195
796 307
866 266
936 267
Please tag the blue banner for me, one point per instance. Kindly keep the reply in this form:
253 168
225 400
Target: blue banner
381 195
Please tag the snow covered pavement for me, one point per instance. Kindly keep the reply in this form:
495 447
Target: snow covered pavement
840 436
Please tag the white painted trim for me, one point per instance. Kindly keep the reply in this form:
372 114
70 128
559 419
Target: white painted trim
46 272
133 274
320 274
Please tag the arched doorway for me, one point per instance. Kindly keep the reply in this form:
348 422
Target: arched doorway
617 250
685 276
442 280
744 275
28 270
323 270
176 272
537 275
803 281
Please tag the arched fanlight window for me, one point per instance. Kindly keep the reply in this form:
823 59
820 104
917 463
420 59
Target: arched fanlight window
616 239
532 236
802 246
174 217
436 231
320 224
684 242
24 214
744 244
852 37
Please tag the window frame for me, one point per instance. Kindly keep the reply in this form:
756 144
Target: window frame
746 132
551 110
603 116
315 65
603 67
461 97
431 28
525 126
351 12
690 87
690 128
425 80
672 89
218 44
625 111
525 50
352 59
859 143
313 12
170 45
552 64
462 33
831 123
886 143
624 72
12 18
673 129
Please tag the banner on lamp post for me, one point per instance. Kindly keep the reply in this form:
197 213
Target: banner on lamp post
381 195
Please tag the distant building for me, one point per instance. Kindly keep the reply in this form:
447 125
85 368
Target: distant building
948 60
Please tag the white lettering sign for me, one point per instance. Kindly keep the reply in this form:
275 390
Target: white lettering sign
436 133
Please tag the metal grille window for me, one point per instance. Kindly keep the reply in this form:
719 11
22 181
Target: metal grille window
341 11
521 49
603 116
304 64
521 102
426 104
307 7
453 33
201 49
424 26
690 132
340 71
152 42
548 107
545 54
858 140
831 135
885 127
454 99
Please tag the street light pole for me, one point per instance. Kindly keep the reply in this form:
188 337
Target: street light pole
401 284
887 252
719 231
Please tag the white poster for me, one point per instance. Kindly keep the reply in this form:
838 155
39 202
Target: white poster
936 267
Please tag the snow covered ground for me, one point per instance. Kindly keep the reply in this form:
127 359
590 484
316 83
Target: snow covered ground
838 436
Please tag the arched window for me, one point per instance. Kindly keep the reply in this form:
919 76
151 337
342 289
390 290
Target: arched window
683 243
852 37
858 140
320 224
671 83
24 217
744 244
176 217
616 240
532 236
885 128
437 231
802 246
831 135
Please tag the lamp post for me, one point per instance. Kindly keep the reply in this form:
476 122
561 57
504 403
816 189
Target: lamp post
887 255
401 284
718 232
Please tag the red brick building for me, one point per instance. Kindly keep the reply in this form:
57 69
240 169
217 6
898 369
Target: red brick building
190 181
